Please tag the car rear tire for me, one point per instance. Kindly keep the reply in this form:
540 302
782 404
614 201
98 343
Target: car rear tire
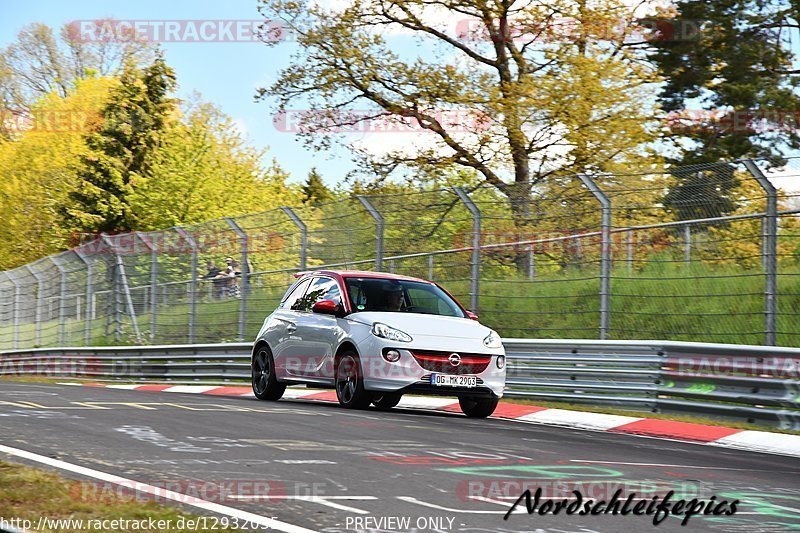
350 383
478 407
265 383
386 401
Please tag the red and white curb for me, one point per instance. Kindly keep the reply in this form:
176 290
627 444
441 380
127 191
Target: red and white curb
724 437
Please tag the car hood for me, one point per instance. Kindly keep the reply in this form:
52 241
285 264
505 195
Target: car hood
416 324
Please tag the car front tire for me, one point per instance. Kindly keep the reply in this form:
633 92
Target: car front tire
265 383
478 407
350 383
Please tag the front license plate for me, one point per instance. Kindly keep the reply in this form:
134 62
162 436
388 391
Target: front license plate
447 380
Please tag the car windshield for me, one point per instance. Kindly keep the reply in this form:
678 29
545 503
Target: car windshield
400 296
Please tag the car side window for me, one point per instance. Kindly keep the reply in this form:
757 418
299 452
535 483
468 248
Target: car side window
320 289
290 301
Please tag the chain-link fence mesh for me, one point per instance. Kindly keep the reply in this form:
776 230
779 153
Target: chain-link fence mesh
704 253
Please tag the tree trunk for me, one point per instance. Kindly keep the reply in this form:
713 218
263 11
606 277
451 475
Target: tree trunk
519 195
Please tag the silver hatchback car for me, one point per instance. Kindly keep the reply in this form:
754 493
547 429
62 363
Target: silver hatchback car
375 336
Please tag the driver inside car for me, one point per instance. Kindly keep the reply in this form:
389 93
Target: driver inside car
394 298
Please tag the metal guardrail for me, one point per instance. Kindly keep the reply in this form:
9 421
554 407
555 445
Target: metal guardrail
754 384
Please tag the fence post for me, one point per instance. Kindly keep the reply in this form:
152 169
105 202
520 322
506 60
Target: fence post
62 311
605 255
770 253
531 262
123 280
243 244
430 267
16 308
153 282
38 313
303 234
87 321
629 246
379 227
475 259
687 243
193 284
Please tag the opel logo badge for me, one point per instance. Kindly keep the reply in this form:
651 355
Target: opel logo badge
454 359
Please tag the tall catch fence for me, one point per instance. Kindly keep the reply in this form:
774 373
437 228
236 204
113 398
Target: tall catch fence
707 253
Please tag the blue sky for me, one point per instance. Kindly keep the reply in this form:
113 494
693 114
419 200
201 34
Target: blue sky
226 74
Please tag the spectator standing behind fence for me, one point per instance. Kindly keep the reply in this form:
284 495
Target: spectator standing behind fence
213 276
233 274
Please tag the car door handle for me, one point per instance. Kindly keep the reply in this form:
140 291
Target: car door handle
291 328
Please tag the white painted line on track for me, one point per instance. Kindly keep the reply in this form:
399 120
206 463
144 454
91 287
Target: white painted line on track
291 394
517 510
761 441
244 516
322 500
196 389
578 419
410 499
426 403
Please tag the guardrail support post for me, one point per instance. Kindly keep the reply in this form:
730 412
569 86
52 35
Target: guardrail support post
17 308
303 234
62 311
770 253
87 321
605 255
123 279
243 244
193 284
475 260
379 227
39 299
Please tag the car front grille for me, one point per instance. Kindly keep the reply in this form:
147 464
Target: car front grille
471 363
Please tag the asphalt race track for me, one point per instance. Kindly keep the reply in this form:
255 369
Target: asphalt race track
327 469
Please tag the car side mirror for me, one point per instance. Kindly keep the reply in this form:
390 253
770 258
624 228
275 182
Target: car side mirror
326 307
472 315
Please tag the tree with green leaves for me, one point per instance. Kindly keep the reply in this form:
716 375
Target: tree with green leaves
132 129
39 62
203 170
738 72
37 172
731 92
500 97
314 189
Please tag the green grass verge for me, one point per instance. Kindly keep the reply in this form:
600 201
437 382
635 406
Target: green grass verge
664 301
31 493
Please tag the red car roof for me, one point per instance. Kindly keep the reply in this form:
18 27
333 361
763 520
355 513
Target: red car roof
360 274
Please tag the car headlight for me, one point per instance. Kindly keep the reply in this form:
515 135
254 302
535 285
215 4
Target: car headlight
492 340
386 332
